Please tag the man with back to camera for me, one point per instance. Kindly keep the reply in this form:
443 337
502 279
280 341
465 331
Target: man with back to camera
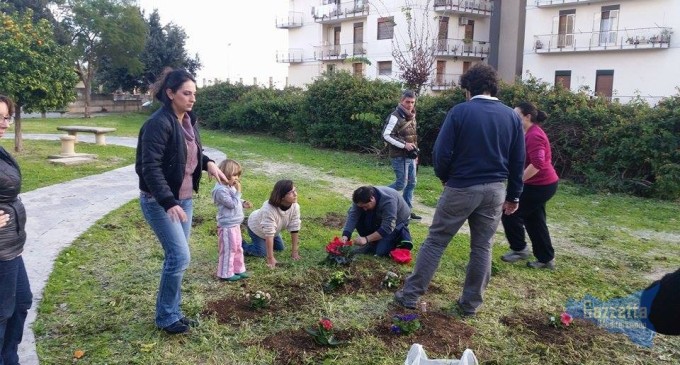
402 138
479 149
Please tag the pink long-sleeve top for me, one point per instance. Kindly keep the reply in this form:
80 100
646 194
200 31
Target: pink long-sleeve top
539 155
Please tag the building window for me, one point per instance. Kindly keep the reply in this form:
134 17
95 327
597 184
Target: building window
563 78
386 28
330 68
564 25
609 24
358 68
385 68
604 83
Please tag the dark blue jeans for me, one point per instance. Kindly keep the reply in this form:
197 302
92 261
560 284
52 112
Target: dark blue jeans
365 226
15 300
257 245
174 237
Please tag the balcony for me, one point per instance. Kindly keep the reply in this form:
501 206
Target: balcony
339 52
444 82
464 7
464 48
293 55
556 3
292 20
616 40
337 12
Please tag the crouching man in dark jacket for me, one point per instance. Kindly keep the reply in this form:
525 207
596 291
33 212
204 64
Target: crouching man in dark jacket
380 215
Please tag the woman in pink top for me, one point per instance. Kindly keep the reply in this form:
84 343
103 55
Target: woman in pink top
540 184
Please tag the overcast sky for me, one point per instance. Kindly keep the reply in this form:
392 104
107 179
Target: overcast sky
233 38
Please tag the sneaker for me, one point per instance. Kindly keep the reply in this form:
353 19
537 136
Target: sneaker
542 265
176 328
189 322
414 216
234 277
514 256
398 301
243 275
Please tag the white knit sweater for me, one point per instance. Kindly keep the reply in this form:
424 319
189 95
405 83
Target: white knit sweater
269 220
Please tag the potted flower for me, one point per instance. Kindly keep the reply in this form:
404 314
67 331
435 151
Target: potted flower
322 333
565 320
391 280
339 253
336 280
259 299
405 324
538 44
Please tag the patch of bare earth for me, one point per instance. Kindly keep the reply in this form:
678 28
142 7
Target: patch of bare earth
293 347
580 334
441 335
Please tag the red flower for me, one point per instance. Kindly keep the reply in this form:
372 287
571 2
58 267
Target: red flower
334 246
566 319
326 324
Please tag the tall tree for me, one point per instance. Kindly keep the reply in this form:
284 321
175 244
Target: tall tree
414 52
36 72
164 47
111 30
41 10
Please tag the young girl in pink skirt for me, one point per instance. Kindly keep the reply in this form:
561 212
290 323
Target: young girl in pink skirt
230 266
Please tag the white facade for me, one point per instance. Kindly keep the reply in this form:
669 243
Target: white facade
617 49
328 35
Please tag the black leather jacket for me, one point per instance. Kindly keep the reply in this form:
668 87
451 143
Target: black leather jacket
13 235
162 157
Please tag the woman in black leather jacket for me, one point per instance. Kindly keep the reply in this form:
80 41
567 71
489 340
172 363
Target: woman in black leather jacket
169 163
15 291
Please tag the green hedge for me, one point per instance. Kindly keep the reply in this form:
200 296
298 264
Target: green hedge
631 148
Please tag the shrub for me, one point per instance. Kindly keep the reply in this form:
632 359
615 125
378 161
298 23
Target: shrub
213 103
347 112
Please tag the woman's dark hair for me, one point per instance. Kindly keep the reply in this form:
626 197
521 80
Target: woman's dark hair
537 116
170 79
363 195
281 188
9 102
479 79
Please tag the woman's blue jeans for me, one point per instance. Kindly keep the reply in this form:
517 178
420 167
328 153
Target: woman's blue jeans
15 300
405 171
257 247
174 237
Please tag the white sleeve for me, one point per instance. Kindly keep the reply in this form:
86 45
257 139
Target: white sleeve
387 133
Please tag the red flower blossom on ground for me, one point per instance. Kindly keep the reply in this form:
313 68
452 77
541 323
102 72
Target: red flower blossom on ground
335 245
326 324
566 319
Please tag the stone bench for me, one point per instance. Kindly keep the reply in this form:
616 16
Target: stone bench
99 132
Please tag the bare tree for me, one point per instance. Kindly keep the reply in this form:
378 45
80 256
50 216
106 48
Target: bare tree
414 52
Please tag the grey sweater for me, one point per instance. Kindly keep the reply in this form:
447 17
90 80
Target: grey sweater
229 205
390 210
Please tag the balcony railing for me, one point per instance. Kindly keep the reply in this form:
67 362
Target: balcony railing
334 12
473 7
462 48
293 55
292 20
444 81
615 40
552 3
339 51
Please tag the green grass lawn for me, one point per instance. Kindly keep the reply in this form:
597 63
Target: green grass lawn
100 297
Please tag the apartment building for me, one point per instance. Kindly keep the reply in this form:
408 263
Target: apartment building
615 49
331 35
